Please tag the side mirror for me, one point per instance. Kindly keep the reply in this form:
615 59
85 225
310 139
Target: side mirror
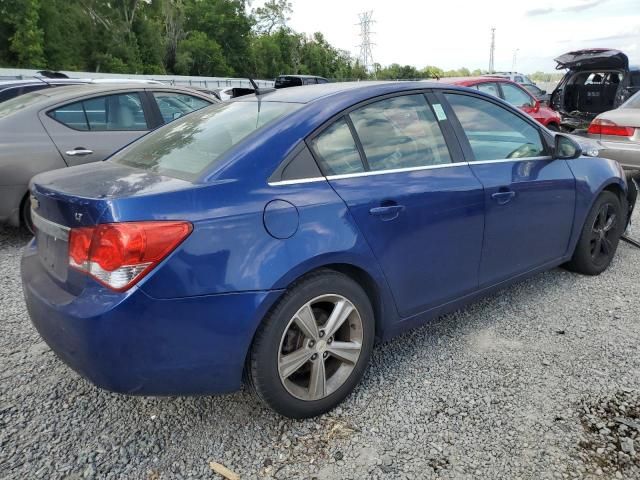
566 148
536 106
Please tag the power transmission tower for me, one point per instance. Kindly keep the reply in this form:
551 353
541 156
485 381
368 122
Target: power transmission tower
492 50
366 56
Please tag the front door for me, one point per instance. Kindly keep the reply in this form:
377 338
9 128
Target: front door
419 207
529 198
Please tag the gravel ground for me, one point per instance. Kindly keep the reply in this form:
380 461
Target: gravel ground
535 382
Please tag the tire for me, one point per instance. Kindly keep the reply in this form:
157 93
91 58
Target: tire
599 237
553 127
25 216
273 375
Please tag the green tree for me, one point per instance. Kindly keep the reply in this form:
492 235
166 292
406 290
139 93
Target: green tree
25 37
201 55
272 16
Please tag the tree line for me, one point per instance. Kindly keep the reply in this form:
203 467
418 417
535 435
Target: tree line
183 37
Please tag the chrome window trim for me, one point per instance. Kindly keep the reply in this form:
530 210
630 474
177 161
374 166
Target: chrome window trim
395 170
506 160
50 228
402 170
296 181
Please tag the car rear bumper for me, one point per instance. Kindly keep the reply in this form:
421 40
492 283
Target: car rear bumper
626 154
132 343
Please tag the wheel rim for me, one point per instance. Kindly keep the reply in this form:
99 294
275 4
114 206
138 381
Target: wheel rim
320 347
602 233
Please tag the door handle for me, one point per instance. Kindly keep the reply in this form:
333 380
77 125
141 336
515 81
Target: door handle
387 212
78 152
503 197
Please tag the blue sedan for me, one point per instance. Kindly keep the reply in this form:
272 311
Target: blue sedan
276 237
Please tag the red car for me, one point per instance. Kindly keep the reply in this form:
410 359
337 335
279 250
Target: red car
512 93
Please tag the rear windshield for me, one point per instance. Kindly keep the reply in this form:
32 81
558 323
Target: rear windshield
283 82
186 148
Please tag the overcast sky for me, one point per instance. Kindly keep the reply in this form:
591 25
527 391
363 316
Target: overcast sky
456 33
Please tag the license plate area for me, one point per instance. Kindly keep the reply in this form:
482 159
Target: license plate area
53 246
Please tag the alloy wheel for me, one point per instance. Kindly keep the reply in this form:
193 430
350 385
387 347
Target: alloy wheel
320 347
602 233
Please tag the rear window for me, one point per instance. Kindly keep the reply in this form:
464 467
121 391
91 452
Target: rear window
633 102
284 82
187 147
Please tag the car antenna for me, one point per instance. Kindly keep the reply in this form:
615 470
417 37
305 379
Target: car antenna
258 90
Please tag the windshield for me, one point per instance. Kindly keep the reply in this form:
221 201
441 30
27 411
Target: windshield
633 102
19 102
187 147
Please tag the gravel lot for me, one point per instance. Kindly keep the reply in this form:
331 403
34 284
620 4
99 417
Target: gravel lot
531 383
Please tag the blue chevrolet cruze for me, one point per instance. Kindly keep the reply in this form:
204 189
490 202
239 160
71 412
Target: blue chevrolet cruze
275 237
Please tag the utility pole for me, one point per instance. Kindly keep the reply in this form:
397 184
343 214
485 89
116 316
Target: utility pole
492 50
515 57
366 56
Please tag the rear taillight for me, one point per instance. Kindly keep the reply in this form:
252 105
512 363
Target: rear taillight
601 126
119 255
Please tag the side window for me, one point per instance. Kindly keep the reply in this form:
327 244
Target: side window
516 96
111 112
494 132
71 115
310 81
322 80
336 150
400 132
518 79
490 88
174 105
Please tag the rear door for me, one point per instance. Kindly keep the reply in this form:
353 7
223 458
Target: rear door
417 203
93 128
529 198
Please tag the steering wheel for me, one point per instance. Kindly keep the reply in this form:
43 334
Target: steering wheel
523 151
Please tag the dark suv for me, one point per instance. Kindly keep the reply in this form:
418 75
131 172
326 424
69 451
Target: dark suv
597 80
285 81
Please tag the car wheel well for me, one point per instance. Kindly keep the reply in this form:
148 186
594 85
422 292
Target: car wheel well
24 218
617 191
362 278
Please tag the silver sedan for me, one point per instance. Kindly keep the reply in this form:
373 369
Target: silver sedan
618 132
71 125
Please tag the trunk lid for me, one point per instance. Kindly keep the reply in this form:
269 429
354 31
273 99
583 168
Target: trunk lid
83 196
595 58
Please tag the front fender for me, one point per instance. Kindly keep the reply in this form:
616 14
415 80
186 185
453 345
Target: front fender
593 175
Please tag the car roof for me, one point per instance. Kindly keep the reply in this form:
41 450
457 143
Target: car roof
298 76
474 80
356 90
37 81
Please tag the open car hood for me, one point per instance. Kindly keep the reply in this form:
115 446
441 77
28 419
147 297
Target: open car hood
594 58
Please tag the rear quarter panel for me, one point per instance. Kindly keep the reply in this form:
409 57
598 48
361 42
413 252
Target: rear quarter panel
25 150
